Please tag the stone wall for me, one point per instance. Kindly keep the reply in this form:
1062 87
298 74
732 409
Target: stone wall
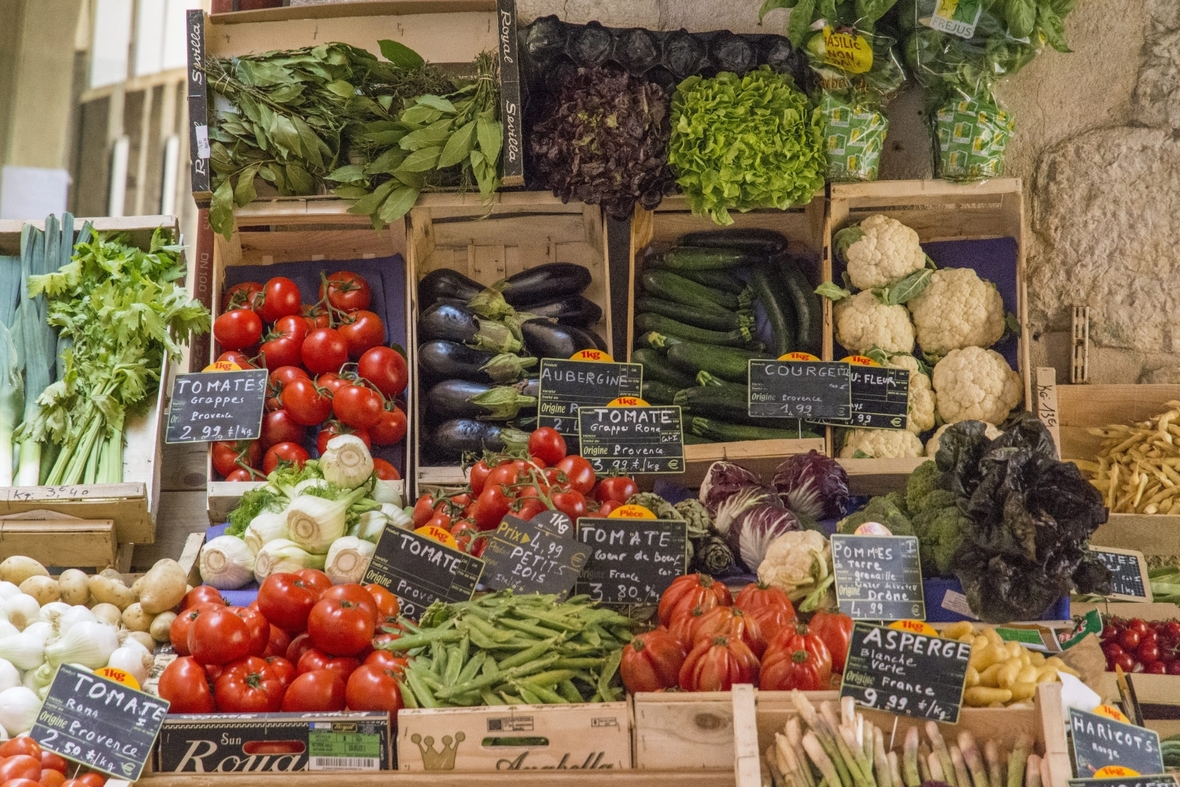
1098 148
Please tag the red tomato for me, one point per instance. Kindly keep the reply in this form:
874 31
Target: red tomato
237 358
571 503
781 654
219 636
387 604
732 623
490 508
306 403
293 326
355 593
1156 668
185 684
298 647
385 368
319 690
280 297
617 489
248 686
288 453
21 770
477 476
53 762
373 687
324 350
49 778
1129 639
89 780
316 579
243 474
357 406
502 474
687 592
335 429
237 329
23 744
346 291
1172 630
785 670
423 510
241 296
362 330
279 427
286 601
384 470
278 379
1139 625
548 445
315 659
1147 652
1124 660
607 507
183 622
387 659
835 630
283 669
390 426
277 643
718 664
229 456
341 627
652 661
331 381
579 472
259 629
439 520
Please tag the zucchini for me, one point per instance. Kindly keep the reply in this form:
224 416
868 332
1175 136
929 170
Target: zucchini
751 239
695 439
808 313
671 287
768 288
699 258
656 392
724 432
657 341
717 280
729 363
728 401
656 367
660 324
701 318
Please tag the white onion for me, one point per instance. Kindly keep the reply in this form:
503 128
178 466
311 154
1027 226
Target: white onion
8 590
19 707
85 643
22 610
9 675
132 658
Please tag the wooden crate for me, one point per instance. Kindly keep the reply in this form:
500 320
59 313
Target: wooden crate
488 242
806 230
546 778
938 211
290 230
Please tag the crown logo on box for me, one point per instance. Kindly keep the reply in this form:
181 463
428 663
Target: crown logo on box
443 760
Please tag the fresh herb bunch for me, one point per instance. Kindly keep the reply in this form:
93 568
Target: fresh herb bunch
450 140
745 142
289 116
862 14
603 139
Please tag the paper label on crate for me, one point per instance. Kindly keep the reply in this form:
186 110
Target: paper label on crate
1091 623
1099 742
956 17
211 406
631 512
906 673
532 557
880 395
420 570
1128 569
632 561
878 577
1124 777
99 723
566 386
331 749
1040 638
203 149
118 676
954 601
812 390
847 51
632 439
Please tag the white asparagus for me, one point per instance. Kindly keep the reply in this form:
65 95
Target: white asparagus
961 774
895 769
821 760
795 738
1034 768
935 766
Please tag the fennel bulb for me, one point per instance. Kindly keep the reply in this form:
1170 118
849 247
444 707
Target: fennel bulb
347 463
267 526
348 559
226 563
392 492
281 556
315 522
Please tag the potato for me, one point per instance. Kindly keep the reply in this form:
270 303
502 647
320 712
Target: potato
107 613
1036 658
981 697
1047 674
135 619
143 638
957 630
1014 649
1008 672
137 586
74 586
44 589
108 591
163 586
988 657
1026 675
18 568
972 677
112 573
161 627
1023 690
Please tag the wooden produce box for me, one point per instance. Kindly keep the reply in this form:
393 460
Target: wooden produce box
489 242
87 523
806 230
979 225
510 778
320 235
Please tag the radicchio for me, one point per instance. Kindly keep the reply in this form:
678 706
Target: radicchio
751 533
721 481
743 499
813 484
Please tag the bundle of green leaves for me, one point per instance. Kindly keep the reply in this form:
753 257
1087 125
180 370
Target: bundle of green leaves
747 142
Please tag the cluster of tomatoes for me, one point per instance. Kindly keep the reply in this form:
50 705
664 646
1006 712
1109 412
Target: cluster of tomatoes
1138 646
708 640
304 645
23 763
329 371
501 484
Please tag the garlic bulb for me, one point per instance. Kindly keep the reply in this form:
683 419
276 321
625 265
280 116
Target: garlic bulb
348 559
40 629
265 527
280 556
54 610
7 629
132 658
25 651
21 610
346 462
19 707
9 675
8 590
226 563
90 644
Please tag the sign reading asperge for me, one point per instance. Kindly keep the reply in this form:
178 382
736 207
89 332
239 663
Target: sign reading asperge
420 570
211 406
878 577
632 439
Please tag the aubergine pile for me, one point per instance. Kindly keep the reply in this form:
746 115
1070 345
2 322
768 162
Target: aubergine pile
703 309
479 351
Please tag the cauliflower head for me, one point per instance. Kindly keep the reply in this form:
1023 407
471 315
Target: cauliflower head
880 444
990 431
863 322
796 563
921 400
879 251
958 309
974 384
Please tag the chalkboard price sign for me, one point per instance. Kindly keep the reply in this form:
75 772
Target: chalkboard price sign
632 439
1160 780
810 390
880 398
878 577
211 406
904 672
102 724
532 557
1128 571
632 561
419 570
1099 742
566 386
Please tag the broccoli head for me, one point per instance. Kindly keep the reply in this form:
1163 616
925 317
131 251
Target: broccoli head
888 511
941 528
922 481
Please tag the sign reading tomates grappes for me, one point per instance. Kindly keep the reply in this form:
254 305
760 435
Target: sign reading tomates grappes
211 406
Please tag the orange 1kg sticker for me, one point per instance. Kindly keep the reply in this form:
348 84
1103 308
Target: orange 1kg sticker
118 676
915 626
222 366
1114 771
859 360
797 356
1111 712
591 355
631 512
627 401
438 534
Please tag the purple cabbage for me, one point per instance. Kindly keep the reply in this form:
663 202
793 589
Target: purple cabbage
751 533
721 481
742 499
813 484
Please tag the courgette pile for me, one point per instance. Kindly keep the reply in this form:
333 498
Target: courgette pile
479 346
696 320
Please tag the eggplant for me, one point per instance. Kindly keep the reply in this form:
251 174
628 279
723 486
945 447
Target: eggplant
576 310
445 283
460 324
530 386
454 438
445 360
464 399
544 283
545 339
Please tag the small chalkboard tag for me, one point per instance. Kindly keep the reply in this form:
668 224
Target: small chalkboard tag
555 522
421 571
905 672
632 561
1128 568
1159 780
1099 742
104 725
878 577
632 439
880 397
529 557
811 390
211 406
566 386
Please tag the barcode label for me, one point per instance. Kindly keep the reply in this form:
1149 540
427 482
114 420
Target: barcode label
343 764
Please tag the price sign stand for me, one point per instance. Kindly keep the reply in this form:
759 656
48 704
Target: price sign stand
533 557
631 437
1129 574
808 389
586 380
1100 742
880 395
211 406
420 570
632 560
878 577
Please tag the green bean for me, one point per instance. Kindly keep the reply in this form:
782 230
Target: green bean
579 662
455 659
489 667
407 695
608 672
499 675
528 628
525 656
422 640
481 641
549 677
557 620
420 691
490 698
591 637
487 629
568 690
512 699
471 668
527 695
431 680
545 695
